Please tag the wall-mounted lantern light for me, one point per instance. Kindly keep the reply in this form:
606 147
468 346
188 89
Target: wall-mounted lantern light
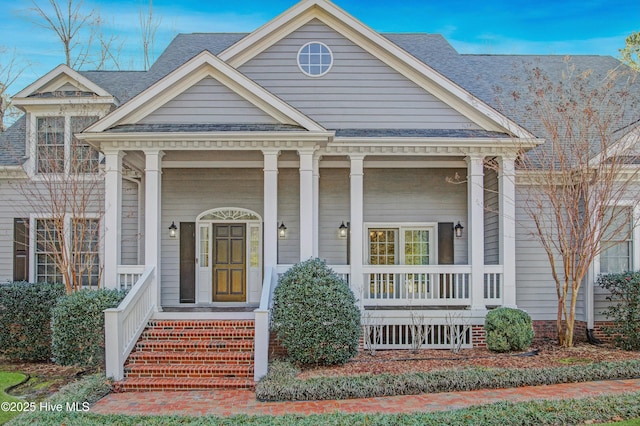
458 230
172 230
282 230
343 230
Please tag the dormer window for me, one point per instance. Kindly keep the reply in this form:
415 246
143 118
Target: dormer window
58 151
50 145
315 59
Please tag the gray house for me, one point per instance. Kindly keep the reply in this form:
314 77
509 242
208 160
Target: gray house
238 155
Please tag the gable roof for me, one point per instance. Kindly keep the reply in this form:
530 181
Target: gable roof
203 65
61 79
12 143
380 47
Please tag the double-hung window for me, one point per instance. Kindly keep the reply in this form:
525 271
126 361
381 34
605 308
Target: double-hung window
58 150
617 250
48 245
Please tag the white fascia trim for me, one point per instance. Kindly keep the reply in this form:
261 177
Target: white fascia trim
178 137
626 142
13 172
55 73
401 142
381 48
27 102
190 73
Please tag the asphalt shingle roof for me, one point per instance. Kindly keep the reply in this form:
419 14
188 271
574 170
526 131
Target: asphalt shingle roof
12 144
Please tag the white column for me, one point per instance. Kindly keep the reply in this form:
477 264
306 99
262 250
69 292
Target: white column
507 211
475 191
153 216
270 207
316 206
306 204
112 217
357 224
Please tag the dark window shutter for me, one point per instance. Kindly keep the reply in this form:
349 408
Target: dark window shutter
187 262
445 243
20 249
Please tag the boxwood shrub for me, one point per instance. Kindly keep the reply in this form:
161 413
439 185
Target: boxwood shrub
78 327
25 320
624 309
508 329
315 315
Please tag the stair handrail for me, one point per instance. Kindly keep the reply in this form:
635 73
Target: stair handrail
124 325
262 324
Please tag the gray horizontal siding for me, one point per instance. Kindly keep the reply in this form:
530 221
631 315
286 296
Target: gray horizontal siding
491 218
130 224
334 209
360 91
208 102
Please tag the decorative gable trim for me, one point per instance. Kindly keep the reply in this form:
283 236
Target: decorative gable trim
201 66
380 47
56 79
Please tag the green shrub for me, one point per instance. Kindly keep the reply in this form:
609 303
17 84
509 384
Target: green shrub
281 383
78 326
624 311
25 320
315 315
508 330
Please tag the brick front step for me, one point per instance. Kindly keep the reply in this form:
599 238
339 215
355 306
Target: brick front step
194 345
174 357
198 371
196 334
190 355
173 384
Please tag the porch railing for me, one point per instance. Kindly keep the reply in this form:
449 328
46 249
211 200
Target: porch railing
125 324
128 275
262 323
422 285
493 284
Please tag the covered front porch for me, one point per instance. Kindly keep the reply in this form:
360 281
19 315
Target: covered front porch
383 218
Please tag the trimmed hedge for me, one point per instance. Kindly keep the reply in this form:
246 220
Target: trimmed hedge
281 384
78 326
315 315
25 319
624 310
508 329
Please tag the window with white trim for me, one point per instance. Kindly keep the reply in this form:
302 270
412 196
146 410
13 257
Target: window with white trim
315 59
85 244
47 245
402 245
617 251
58 151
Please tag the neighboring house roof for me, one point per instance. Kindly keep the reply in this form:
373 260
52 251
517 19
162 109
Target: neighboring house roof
12 144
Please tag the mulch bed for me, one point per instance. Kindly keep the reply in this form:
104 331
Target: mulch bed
542 354
45 378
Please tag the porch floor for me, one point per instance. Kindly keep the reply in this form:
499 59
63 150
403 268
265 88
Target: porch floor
189 309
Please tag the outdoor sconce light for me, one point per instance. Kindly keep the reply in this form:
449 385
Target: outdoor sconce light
343 230
282 230
172 230
458 230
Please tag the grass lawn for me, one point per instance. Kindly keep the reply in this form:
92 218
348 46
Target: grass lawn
7 380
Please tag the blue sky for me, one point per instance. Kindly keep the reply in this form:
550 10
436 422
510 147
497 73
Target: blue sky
496 27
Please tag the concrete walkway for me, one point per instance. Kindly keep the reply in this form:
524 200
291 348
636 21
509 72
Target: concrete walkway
232 402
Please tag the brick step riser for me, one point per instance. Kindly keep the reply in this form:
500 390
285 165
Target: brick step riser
226 358
196 336
142 375
133 386
189 347
202 324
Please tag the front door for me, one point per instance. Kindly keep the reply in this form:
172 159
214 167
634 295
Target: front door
229 263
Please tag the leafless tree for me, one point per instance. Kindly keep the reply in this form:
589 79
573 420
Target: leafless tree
68 195
67 20
10 70
149 25
587 164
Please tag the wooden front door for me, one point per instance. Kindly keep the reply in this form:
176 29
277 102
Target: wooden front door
229 263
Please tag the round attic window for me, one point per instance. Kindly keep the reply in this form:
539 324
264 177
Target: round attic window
315 59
